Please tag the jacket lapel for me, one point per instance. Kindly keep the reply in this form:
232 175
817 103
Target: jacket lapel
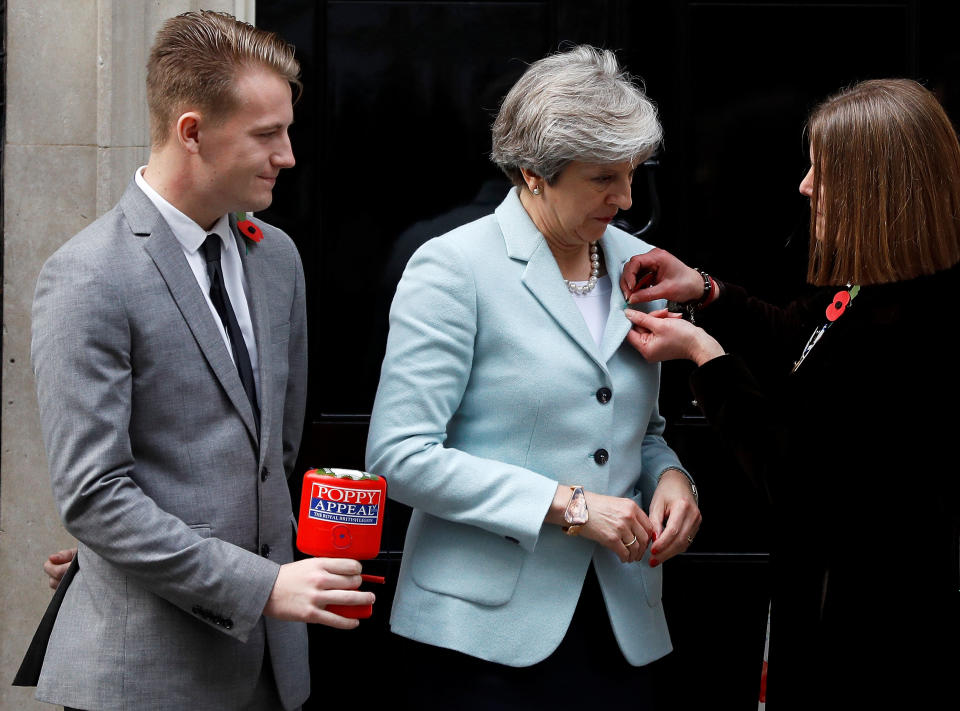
542 276
165 250
617 326
257 284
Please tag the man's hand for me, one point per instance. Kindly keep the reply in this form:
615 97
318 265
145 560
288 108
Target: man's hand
304 588
56 565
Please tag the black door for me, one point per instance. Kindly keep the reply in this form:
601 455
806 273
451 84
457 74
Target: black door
391 139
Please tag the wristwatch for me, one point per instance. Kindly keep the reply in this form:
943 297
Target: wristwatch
576 514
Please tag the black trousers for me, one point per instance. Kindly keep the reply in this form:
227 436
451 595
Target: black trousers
587 669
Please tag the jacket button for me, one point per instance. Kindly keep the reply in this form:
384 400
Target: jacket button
603 395
601 456
264 473
265 550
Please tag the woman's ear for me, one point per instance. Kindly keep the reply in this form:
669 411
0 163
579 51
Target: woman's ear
534 182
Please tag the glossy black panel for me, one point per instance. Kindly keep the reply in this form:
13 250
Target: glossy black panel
391 140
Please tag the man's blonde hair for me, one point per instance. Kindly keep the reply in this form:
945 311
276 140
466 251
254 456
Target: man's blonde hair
195 60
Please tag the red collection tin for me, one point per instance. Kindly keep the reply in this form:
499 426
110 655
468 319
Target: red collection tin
341 516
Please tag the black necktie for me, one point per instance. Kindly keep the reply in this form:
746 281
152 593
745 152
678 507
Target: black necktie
210 249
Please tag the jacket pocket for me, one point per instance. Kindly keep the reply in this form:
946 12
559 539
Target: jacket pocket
465 562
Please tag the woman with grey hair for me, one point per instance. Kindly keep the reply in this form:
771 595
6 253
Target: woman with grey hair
522 429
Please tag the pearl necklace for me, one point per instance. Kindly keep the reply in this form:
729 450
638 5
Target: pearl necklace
582 289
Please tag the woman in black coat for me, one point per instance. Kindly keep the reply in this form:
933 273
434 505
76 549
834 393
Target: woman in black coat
852 429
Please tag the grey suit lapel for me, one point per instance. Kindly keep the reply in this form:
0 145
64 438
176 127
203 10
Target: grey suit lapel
163 248
258 283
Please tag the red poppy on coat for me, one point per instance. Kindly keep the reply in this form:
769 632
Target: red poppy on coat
838 306
249 230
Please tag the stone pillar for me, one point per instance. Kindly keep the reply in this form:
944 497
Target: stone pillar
77 128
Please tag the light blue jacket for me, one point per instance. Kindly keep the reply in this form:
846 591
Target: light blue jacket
487 399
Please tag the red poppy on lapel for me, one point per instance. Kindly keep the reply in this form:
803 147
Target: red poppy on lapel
838 305
249 230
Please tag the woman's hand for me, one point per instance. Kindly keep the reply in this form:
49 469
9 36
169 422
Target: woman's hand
675 516
659 275
612 521
663 336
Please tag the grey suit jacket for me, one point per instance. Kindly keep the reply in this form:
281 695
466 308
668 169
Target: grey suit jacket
183 518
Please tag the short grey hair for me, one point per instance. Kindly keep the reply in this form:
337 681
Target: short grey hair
573 105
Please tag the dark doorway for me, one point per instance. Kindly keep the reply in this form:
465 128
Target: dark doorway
391 138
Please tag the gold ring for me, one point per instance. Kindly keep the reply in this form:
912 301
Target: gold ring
689 539
631 542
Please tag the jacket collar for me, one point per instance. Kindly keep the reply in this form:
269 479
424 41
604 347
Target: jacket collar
163 248
542 277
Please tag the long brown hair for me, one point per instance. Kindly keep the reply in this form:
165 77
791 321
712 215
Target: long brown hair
886 167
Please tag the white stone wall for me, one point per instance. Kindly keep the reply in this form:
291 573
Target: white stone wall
77 128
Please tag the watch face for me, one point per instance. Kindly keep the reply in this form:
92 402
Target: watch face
576 512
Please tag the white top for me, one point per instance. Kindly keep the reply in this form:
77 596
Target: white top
595 305
190 235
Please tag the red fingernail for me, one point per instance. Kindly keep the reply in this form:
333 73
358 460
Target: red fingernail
654 563
654 535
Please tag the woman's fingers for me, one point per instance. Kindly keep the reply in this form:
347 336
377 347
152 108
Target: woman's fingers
619 524
678 533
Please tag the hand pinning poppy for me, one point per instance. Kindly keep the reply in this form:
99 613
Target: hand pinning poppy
247 228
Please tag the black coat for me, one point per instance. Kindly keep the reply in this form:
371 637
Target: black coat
857 453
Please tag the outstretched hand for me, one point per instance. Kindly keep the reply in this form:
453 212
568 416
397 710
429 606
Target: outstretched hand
657 274
661 335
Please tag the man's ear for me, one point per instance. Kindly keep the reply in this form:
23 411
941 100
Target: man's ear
188 131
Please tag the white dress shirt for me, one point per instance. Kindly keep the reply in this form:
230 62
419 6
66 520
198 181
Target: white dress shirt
595 306
190 235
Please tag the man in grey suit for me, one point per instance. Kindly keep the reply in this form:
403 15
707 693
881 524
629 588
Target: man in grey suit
169 346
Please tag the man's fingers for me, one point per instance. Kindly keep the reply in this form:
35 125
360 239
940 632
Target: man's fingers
340 566
322 617
345 597
63 556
